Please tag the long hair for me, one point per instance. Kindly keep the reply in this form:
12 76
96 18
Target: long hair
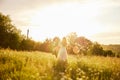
64 42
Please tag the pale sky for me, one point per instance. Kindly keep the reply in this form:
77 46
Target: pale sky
97 20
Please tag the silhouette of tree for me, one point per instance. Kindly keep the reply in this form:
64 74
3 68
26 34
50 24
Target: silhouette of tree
9 34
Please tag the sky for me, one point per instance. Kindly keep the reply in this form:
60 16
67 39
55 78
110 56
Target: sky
97 20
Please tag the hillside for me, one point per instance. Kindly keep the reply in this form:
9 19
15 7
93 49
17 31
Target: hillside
43 66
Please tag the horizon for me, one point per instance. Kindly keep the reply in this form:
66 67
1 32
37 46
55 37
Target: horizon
96 20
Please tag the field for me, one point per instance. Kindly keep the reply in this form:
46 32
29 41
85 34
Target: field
21 65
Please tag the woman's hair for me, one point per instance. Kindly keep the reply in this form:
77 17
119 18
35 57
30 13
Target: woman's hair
64 41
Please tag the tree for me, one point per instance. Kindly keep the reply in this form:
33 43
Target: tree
46 45
71 38
9 34
27 44
84 44
97 49
71 42
109 53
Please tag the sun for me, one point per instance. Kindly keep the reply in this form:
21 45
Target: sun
62 18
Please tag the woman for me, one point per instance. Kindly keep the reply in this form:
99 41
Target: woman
62 57
62 54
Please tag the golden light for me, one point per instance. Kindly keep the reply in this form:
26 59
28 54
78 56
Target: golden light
76 49
62 18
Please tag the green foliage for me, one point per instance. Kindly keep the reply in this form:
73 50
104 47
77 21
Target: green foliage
97 49
109 53
114 48
27 44
9 35
42 66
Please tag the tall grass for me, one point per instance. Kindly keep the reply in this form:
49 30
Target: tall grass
44 66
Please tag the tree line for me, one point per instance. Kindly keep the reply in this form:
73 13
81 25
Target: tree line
11 37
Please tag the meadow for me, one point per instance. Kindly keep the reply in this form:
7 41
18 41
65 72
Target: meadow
23 65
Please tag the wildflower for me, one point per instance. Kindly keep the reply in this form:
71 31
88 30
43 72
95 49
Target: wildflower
79 79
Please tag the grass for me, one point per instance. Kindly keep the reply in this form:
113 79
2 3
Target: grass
21 65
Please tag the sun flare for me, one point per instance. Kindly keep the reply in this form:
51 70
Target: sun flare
97 20
61 19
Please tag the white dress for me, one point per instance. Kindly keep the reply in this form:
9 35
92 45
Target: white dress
62 54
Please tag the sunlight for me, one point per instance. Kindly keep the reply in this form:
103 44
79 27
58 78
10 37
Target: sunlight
61 19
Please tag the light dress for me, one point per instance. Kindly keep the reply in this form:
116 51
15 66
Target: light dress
62 54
